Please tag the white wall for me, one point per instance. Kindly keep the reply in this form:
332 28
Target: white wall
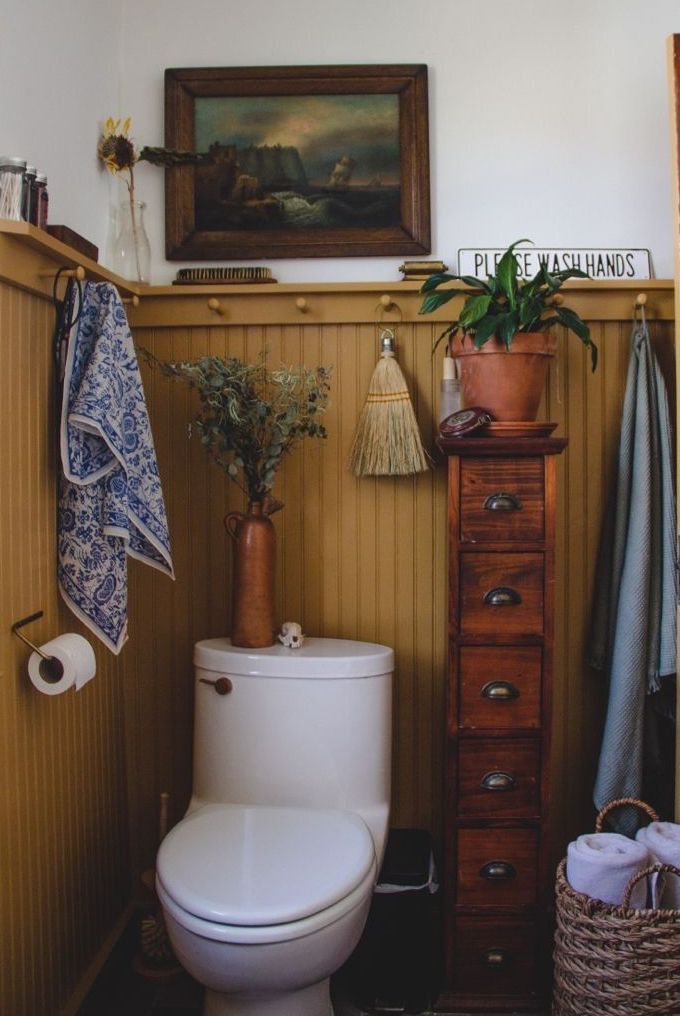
58 72
547 120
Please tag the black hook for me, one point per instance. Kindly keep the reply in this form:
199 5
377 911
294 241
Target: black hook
66 314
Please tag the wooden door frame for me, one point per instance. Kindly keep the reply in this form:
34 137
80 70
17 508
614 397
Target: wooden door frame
673 52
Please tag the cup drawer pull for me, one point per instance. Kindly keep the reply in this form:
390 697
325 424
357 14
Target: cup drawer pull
500 691
502 596
498 871
495 957
498 780
502 502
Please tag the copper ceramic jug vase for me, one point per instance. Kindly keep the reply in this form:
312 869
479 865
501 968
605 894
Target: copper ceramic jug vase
254 559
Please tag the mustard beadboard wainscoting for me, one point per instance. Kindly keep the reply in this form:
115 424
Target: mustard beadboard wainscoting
367 558
82 773
64 857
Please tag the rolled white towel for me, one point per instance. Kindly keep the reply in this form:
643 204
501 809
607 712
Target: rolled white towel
662 839
602 864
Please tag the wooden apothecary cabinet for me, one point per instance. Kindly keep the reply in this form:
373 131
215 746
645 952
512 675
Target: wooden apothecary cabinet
497 883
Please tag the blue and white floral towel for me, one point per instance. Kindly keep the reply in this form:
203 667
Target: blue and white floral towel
110 497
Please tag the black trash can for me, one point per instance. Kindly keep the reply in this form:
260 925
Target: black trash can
395 966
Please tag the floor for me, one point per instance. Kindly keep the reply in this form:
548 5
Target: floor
127 986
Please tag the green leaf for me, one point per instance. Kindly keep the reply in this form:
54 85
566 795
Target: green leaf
551 283
436 280
593 355
493 286
571 320
507 272
474 283
545 323
475 308
451 330
434 300
507 275
529 312
507 328
486 328
570 273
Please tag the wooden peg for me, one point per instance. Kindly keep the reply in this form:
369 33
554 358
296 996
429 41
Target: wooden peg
215 305
68 273
640 299
134 300
386 301
301 304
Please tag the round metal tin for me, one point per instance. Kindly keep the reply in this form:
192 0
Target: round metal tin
464 422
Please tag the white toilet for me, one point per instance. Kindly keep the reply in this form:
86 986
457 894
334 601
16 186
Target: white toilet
266 882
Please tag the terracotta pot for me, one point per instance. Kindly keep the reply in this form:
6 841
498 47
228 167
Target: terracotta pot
252 606
508 383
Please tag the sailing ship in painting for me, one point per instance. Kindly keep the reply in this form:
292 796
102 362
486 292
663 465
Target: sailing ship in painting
267 187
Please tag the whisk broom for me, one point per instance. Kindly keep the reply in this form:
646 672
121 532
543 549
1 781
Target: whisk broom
387 440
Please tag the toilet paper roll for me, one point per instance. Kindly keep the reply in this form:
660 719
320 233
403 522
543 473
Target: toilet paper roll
73 664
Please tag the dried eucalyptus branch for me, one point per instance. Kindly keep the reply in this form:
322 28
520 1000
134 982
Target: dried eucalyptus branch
250 416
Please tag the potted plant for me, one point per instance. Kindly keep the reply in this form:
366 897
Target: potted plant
501 339
249 418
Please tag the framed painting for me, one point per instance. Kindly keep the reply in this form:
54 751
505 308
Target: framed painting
297 162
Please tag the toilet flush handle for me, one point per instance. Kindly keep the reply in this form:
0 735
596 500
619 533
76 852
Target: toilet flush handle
222 685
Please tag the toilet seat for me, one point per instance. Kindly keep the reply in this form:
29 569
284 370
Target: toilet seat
263 868
267 934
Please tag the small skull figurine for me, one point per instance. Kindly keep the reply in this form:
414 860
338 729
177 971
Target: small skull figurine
291 635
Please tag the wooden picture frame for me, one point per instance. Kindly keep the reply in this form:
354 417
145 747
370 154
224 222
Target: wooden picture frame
299 162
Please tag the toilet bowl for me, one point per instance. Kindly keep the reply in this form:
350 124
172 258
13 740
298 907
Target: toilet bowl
266 882
256 912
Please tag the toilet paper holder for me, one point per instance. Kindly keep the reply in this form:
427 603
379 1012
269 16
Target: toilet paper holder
53 664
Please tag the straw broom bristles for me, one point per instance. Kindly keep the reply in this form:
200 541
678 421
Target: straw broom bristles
387 440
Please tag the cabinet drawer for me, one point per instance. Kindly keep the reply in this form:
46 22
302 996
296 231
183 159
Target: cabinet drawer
499 687
501 593
497 867
498 778
496 956
501 499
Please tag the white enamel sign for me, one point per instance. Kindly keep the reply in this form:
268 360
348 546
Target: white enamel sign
605 263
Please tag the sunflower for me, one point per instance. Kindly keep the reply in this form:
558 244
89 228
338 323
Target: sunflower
115 148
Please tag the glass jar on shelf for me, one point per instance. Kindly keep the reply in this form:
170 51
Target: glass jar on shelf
132 255
12 170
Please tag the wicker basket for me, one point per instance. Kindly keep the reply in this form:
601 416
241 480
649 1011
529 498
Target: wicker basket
614 960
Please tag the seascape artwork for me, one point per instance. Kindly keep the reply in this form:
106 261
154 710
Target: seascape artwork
297 162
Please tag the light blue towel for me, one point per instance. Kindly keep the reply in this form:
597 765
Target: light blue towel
110 497
634 635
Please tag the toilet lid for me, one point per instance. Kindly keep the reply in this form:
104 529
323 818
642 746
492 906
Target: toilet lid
251 865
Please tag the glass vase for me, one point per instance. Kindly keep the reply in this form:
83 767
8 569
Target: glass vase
132 255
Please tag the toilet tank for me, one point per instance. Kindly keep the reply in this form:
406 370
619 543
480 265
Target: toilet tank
308 727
